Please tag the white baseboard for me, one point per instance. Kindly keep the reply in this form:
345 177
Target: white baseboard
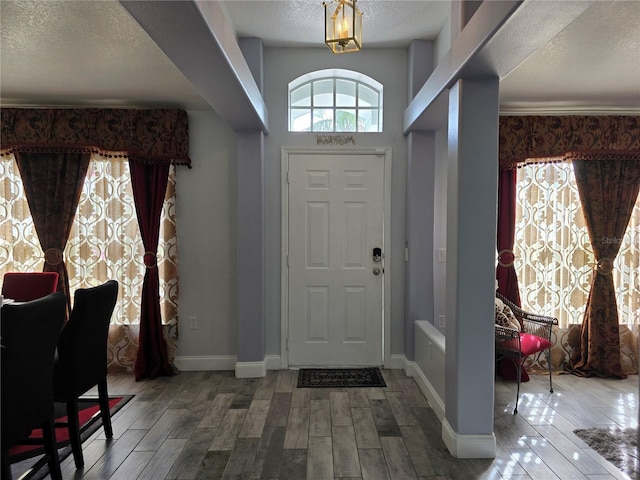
412 369
273 362
251 369
397 361
222 362
437 403
468 446
199 363
460 446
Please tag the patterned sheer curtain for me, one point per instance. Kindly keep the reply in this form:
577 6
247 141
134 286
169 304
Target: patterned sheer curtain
553 255
104 244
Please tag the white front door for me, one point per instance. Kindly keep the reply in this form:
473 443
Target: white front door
335 281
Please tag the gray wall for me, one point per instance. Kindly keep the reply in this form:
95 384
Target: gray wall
440 229
389 67
205 216
207 200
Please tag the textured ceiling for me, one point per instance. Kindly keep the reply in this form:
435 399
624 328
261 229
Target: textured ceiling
301 22
94 53
84 52
592 65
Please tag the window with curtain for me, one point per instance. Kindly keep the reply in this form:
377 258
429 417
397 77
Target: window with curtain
553 256
105 241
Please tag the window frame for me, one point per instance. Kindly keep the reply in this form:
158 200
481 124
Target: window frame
334 75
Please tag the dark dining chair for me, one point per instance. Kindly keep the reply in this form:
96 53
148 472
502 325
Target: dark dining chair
30 333
81 361
27 286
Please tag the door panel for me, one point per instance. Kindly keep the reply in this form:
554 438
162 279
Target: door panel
335 221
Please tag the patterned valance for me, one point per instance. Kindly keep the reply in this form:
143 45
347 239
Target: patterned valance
148 136
545 137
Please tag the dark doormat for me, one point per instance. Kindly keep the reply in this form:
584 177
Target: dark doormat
340 377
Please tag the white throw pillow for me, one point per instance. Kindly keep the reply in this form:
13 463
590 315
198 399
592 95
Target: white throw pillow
505 316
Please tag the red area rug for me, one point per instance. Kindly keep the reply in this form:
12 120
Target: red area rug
90 421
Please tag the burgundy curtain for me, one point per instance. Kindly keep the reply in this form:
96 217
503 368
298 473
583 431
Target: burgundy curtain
505 271
53 184
608 190
149 186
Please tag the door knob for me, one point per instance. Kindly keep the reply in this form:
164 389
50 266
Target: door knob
376 271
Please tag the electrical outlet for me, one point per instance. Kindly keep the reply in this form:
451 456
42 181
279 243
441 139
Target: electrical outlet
442 321
193 323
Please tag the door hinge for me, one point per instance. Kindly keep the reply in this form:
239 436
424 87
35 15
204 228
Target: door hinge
287 261
288 177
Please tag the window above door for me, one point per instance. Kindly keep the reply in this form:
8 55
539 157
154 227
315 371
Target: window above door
335 100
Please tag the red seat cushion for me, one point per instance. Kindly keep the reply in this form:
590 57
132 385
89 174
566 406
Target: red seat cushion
529 344
532 343
27 286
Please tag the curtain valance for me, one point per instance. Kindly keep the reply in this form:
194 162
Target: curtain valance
156 136
549 138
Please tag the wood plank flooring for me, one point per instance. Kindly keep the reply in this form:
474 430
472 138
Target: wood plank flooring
209 425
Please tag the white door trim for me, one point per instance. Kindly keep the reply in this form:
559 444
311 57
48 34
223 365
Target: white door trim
285 152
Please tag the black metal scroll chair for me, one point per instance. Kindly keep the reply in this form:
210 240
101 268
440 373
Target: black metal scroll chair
534 337
30 333
81 361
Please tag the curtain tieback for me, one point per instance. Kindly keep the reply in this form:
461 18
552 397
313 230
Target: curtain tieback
150 260
604 266
53 256
506 258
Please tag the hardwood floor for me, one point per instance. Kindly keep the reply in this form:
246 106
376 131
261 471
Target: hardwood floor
209 425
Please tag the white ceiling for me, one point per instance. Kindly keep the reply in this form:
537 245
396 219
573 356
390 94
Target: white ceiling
592 65
300 23
94 53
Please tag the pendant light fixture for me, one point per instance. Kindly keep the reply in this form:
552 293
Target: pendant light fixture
342 26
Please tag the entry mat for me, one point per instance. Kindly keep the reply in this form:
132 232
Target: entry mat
340 377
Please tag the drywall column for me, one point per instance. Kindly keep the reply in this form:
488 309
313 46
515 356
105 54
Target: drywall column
419 235
251 215
251 256
252 50
472 188
420 206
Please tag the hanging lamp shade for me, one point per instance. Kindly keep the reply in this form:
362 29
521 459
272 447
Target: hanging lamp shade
342 26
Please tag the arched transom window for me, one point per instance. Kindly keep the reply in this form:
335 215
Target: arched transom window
335 100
